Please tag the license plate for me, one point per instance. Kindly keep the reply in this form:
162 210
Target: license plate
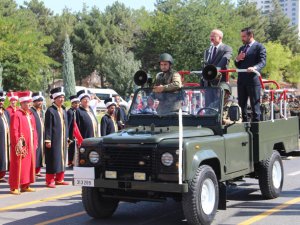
84 182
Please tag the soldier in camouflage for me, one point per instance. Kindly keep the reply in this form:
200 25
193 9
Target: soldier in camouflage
265 108
167 82
227 103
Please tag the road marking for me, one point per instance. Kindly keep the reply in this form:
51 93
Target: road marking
270 212
62 218
294 174
39 201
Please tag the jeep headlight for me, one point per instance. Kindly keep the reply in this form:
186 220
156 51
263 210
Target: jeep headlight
94 157
167 159
82 150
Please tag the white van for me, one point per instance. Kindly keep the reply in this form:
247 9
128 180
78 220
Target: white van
106 93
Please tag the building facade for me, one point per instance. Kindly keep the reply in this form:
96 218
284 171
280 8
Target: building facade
290 8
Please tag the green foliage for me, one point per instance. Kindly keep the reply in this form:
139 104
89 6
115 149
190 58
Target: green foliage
292 74
89 42
252 17
68 69
67 104
22 52
278 58
119 67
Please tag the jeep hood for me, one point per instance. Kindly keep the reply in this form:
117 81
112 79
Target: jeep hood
145 135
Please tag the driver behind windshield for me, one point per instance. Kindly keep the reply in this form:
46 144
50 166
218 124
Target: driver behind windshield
168 81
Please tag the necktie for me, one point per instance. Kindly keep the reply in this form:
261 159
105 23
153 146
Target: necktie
212 58
246 48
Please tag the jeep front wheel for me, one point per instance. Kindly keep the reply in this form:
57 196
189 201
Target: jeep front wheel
270 176
95 205
200 203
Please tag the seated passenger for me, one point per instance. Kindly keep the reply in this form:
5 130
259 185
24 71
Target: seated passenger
151 106
227 103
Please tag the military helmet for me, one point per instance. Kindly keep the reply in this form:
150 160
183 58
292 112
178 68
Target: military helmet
225 86
166 57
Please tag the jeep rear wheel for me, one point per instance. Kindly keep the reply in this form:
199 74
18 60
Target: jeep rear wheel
95 205
271 176
201 202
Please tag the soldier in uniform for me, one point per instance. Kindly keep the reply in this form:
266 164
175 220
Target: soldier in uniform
36 109
71 114
265 108
85 117
56 139
108 123
167 82
23 147
293 105
4 138
227 103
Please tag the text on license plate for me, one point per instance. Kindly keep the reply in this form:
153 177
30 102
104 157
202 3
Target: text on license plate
84 182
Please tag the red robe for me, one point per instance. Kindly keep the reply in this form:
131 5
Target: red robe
11 110
22 160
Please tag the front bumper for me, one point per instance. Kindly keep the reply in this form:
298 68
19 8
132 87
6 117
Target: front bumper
142 186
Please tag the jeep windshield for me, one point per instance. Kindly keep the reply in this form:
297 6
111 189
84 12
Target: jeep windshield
199 106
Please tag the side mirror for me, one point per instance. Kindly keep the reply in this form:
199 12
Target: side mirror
234 113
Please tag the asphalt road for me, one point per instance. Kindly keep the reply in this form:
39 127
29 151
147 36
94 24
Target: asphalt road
63 206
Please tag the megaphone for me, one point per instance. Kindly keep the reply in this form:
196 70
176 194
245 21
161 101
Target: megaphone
141 78
210 72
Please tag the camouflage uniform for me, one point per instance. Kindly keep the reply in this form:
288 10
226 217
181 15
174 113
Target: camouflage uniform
226 119
170 98
170 80
265 109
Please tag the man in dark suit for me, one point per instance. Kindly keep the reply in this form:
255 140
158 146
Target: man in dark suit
218 54
251 56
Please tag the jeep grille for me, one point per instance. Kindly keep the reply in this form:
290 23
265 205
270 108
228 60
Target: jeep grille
127 159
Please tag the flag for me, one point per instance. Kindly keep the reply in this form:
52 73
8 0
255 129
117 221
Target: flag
77 134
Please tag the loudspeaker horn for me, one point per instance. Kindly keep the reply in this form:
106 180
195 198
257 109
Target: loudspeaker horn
209 72
140 77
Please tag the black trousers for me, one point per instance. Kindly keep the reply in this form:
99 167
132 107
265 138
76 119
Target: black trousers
252 92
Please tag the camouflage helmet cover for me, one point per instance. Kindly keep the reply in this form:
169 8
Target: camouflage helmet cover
225 86
166 57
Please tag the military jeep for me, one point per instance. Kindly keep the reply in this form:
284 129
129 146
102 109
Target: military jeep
180 149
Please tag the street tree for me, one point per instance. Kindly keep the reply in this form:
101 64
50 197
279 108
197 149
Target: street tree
23 51
119 66
68 68
278 59
281 30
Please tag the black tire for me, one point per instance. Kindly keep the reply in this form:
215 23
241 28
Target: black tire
95 205
271 176
192 202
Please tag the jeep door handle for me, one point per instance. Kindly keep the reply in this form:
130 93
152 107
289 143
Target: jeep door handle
244 143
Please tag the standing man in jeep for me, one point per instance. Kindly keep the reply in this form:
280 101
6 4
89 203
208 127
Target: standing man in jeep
218 54
167 80
251 56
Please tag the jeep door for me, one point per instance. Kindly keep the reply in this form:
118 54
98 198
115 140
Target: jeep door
237 149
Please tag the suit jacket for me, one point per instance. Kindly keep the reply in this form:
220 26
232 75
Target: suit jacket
255 56
221 60
223 55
